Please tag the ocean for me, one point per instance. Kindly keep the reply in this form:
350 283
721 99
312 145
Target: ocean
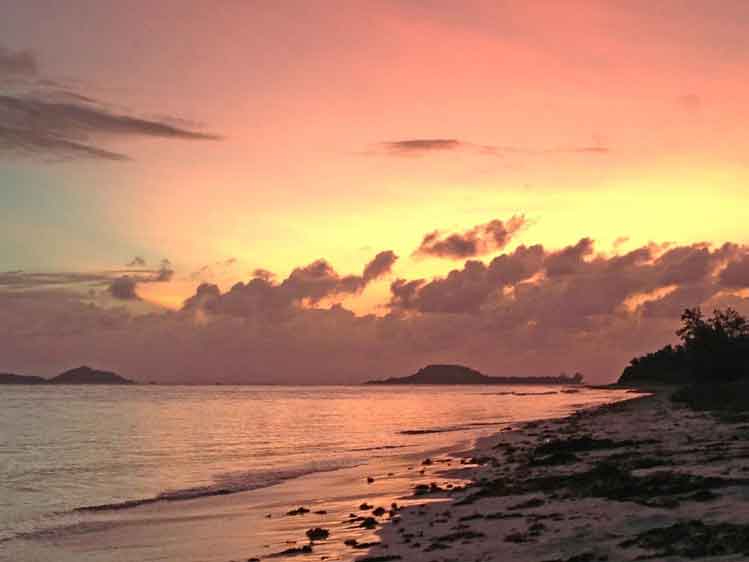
146 473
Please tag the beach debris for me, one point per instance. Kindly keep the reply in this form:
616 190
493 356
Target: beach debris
370 480
317 534
694 539
421 489
365 507
587 556
294 551
529 504
353 543
378 512
460 536
298 511
369 523
607 480
586 443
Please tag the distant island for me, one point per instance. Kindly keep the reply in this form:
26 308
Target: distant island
459 374
79 375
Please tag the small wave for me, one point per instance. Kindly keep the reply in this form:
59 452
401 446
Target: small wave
426 431
515 393
465 427
225 484
382 448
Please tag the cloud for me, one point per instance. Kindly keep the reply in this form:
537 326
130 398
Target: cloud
736 274
263 274
38 118
468 290
533 310
569 260
123 288
137 261
425 146
17 63
477 241
164 273
305 286
571 283
381 265
418 147
119 283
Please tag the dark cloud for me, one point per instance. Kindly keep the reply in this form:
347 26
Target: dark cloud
123 288
40 118
119 283
16 63
673 304
164 273
478 241
263 274
572 283
736 274
471 288
417 147
421 147
381 265
569 260
307 285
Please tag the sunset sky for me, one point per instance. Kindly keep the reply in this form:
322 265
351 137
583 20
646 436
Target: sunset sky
155 154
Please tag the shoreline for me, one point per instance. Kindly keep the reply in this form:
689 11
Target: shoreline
186 529
635 478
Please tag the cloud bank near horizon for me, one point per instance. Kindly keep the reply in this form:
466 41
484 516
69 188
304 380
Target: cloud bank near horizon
532 310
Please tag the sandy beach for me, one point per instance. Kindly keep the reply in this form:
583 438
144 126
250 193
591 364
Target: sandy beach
641 479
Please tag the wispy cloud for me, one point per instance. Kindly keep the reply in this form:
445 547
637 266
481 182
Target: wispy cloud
119 283
422 147
40 118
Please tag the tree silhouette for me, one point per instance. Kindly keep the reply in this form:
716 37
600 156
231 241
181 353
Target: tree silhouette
712 350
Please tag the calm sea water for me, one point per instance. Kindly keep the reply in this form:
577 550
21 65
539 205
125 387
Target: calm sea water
67 447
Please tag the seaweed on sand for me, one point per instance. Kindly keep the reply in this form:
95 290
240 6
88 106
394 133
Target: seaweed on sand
693 539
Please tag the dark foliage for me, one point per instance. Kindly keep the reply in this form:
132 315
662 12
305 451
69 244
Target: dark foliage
712 350
694 539
727 399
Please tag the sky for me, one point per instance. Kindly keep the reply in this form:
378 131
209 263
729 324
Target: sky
328 192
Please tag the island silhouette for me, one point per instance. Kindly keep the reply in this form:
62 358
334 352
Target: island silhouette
460 374
79 375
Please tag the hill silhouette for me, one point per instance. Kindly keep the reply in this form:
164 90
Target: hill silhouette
460 374
79 375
